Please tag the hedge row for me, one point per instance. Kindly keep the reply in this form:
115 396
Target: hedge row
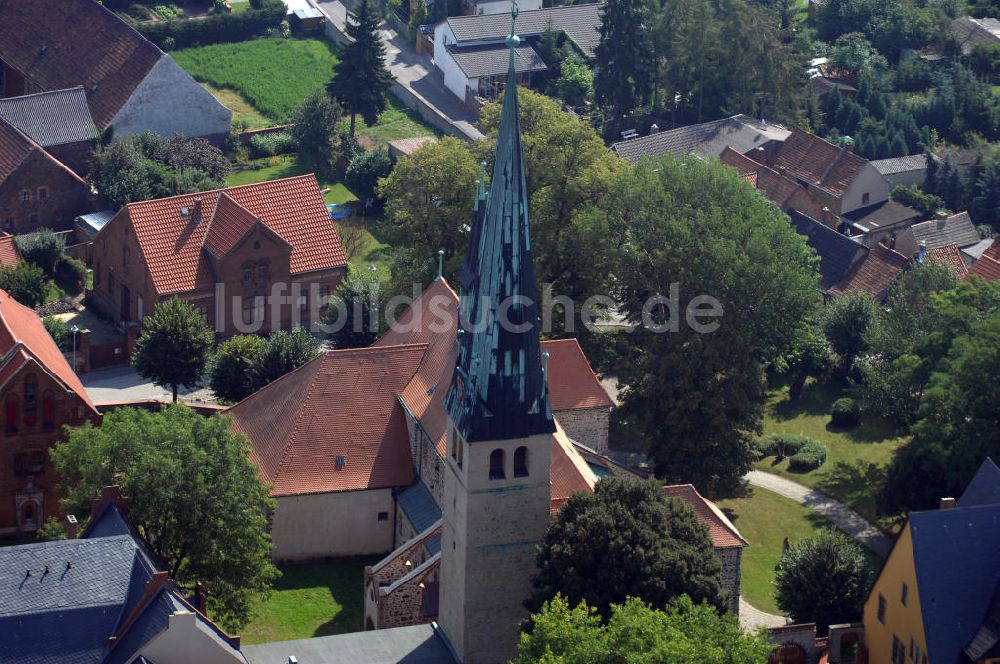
216 28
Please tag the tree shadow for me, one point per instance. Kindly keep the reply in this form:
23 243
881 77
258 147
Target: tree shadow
855 484
816 399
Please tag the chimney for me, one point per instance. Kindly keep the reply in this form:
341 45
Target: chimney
200 597
947 504
71 525
921 252
654 128
196 213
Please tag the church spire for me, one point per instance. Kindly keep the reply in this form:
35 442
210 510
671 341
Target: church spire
498 390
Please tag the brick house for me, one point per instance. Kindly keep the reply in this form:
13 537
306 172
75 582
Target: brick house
250 258
131 85
59 121
36 189
40 395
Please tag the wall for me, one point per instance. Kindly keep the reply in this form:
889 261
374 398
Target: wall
869 181
109 250
168 102
454 78
903 622
332 524
67 197
915 177
76 156
731 559
587 426
183 641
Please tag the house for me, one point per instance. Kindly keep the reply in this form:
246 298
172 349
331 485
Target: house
404 147
971 31
957 229
786 193
986 268
909 170
881 222
102 599
59 121
480 7
36 189
937 596
470 53
40 395
9 256
131 86
951 257
249 258
708 140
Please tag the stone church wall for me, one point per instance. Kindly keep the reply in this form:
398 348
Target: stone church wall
731 558
586 426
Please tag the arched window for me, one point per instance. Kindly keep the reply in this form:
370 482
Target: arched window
11 414
48 412
496 465
521 462
30 389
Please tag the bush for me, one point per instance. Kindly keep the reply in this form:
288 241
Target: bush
269 145
43 248
58 329
169 44
230 367
782 444
217 27
25 283
810 456
365 170
71 271
846 412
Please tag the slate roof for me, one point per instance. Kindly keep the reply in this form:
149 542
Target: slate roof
881 215
896 165
417 644
420 510
51 118
874 273
60 44
491 60
171 243
15 148
341 404
8 252
93 222
837 252
579 22
951 257
956 229
820 162
984 487
722 531
986 268
707 140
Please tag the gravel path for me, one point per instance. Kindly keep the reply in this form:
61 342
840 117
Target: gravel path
752 619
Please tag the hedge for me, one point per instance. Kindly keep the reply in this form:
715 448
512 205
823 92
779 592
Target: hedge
269 145
846 412
215 28
786 443
811 456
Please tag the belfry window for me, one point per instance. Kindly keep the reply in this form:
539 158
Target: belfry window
521 462
496 465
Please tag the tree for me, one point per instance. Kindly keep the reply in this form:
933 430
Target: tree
281 353
808 355
824 580
683 633
852 54
695 386
575 83
44 248
846 323
25 283
314 126
915 197
174 346
660 549
120 175
418 19
365 171
624 56
193 494
230 367
361 81
358 324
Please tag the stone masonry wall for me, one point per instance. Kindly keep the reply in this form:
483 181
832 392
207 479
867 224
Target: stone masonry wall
731 559
403 605
586 426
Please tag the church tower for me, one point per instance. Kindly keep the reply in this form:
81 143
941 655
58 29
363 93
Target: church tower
496 490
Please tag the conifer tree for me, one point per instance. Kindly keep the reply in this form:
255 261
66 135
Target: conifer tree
624 56
360 80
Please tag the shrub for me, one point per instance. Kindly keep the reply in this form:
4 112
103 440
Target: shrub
43 248
72 271
846 412
217 27
782 444
269 145
58 329
25 283
810 456
230 367
169 44
363 174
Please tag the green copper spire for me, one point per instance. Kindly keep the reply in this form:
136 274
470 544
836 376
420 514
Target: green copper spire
498 390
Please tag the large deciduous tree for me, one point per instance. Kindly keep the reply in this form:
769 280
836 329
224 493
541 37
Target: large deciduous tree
360 79
659 548
174 346
231 365
314 127
193 494
357 322
695 387
282 352
846 323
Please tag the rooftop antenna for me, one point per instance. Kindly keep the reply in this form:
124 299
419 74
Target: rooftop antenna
440 264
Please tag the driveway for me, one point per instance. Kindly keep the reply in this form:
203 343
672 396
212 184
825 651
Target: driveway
124 384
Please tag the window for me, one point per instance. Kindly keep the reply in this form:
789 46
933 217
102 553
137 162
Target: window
25 195
461 450
10 414
898 651
247 272
247 310
865 198
905 595
304 299
125 256
263 270
911 647
111 284
521 462
202 310
383 516
43 193
496 465
48 411
29 463
881 609
9 224
30 389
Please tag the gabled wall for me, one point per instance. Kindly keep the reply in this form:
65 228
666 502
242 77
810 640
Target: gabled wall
903 622
66 197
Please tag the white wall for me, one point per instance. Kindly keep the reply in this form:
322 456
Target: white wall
454 78
184 642
343 523
503 6
869 181
168 102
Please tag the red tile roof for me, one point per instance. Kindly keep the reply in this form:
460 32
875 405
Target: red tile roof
769 182
341 404
874 273
820 162
951 257
171 243
993 251
60 44
986 268
23 338
723 533
568 473
8 252
572 383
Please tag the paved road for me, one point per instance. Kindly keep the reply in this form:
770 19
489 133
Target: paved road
839 514
124 384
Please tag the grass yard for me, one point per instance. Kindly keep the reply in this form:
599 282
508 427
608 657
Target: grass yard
243 111
314 599
765 519
273 75
286 166
396 122
856 458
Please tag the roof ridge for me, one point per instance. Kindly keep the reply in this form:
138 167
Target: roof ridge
32 145
220 190
43 93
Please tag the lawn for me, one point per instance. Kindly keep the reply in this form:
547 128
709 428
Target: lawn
243 111
397 121
286 166
314 599
856 457
273 75
765 519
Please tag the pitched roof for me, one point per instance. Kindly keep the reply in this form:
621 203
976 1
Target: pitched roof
491 59
951 257
776 187
722 531
8 252
417 644
421 511
984 487
986 268
341 404
171 243
569 472
579 22
971 31
986 640
881 215
837 252
895 165
407 146
15 148
993 251
739 132
874 273
956 229
59 44
572 382
820 162
51 118
23 338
